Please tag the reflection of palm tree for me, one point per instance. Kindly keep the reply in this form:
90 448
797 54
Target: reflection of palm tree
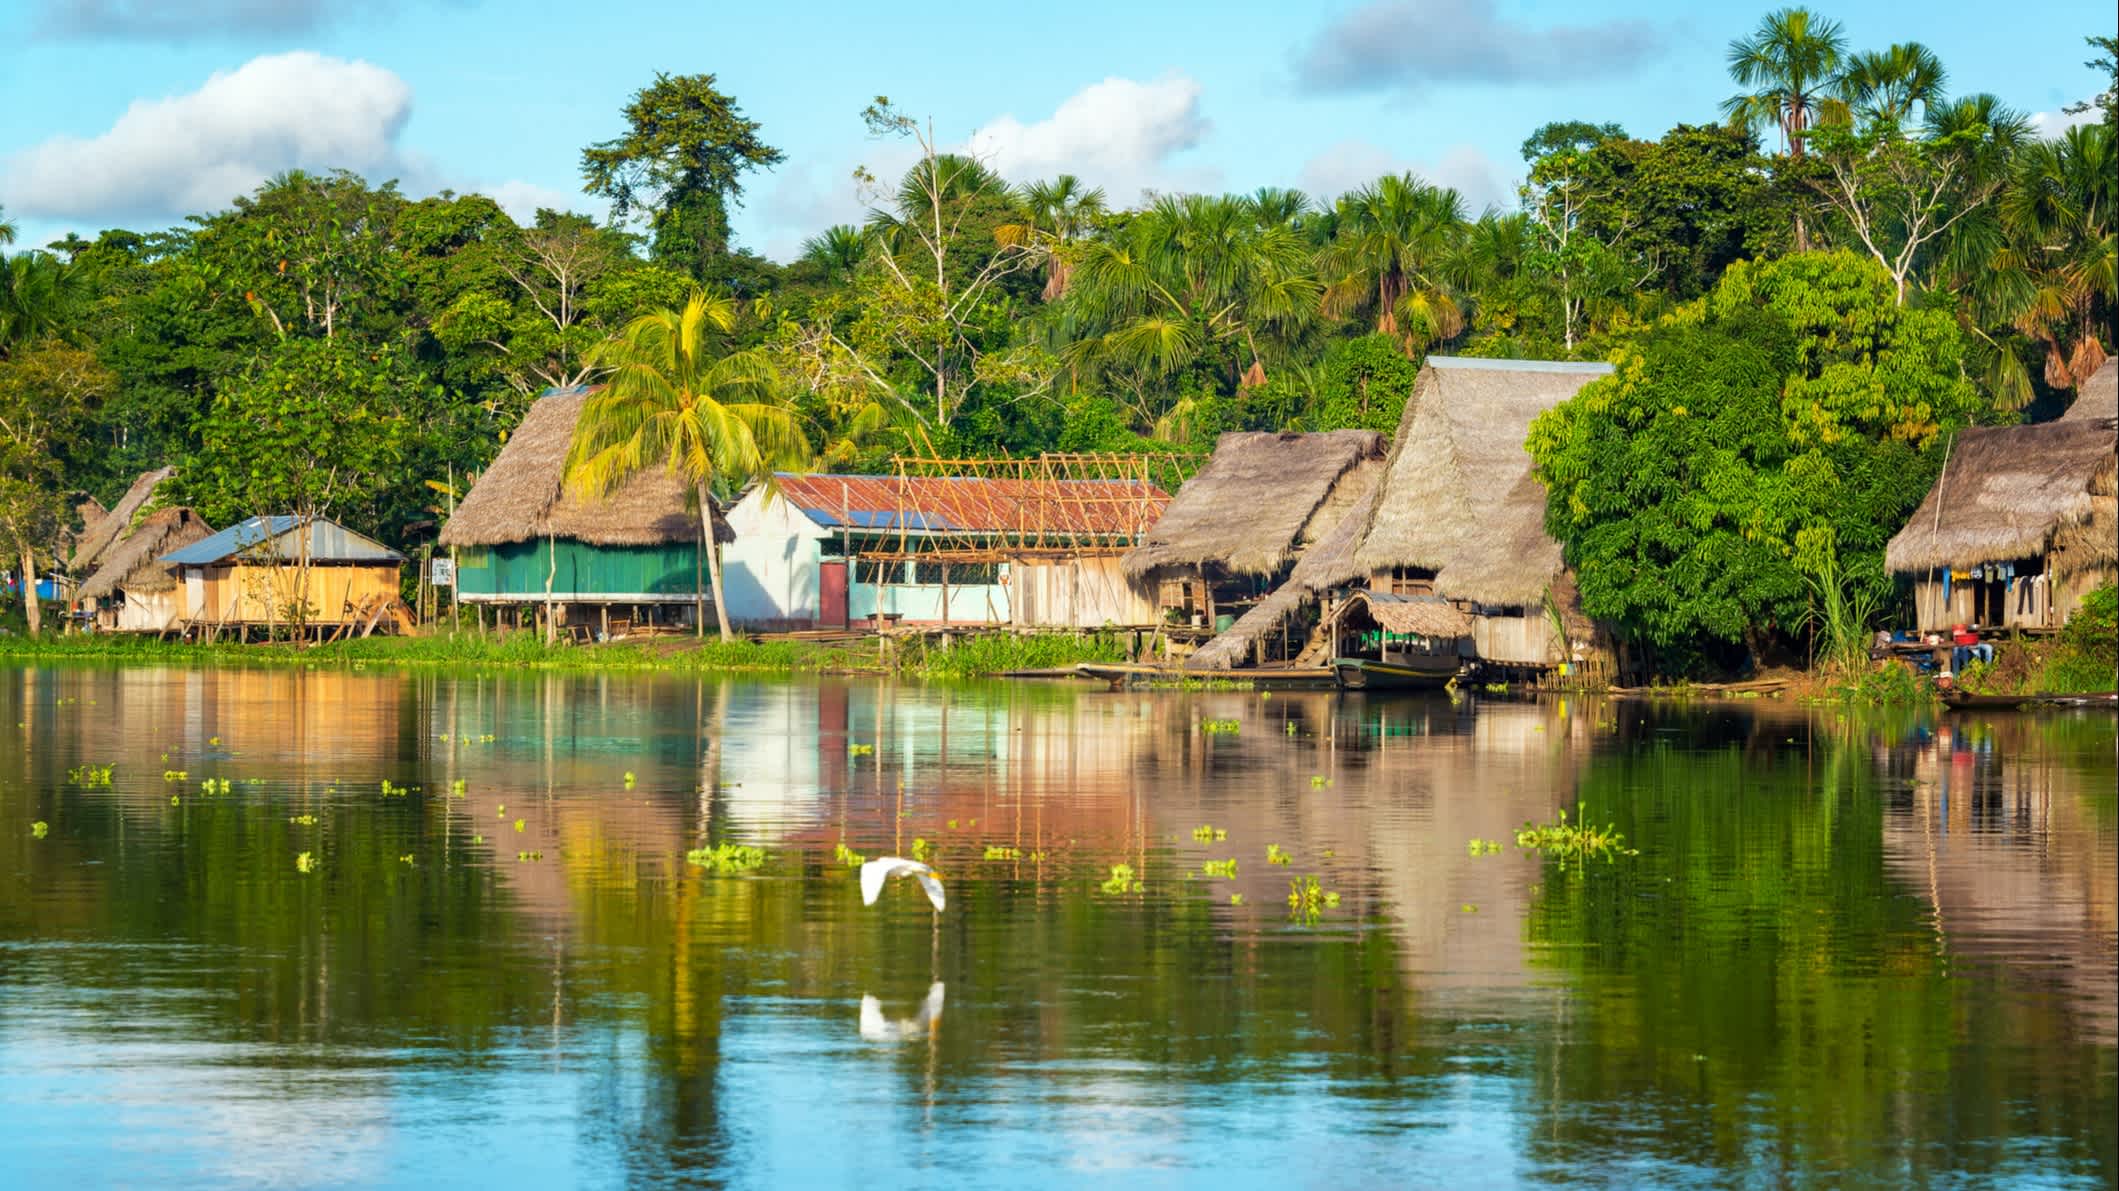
1791 63
677 397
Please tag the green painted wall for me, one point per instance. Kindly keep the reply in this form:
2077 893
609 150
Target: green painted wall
582 570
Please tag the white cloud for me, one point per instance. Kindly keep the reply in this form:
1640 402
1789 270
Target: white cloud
1120 134
522 199
195 152
1352 163
1396 44
2052 125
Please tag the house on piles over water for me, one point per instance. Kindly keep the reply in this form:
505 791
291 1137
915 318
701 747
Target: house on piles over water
133 589
1459 515
270 572
1030 547
1248 542
524 542
2021 522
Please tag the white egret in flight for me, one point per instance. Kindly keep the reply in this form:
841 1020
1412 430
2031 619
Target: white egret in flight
876 1028
882 868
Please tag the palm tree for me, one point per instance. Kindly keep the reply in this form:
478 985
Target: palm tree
2054 275
39 295
7 228
1880 87
674 396
1390 256
1059 214
838 251
1791 63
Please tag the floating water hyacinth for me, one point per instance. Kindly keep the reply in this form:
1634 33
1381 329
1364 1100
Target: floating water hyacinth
520 856
1236 899
921 849
456 788
847 856
859 750
39 829
1318 781
518 825
302 820
175 775
726 859
1121 880
1484 847
406 859
1274 855
628 779
1220 868
1220 727
90 775
304 862
1002 852
1207 833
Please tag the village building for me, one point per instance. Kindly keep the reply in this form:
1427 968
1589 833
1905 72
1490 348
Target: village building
1249 542
279 573
525 543
101 529
1036 545
2021 522
1458 513
133 590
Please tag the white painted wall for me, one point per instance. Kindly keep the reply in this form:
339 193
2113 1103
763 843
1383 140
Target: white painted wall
769 573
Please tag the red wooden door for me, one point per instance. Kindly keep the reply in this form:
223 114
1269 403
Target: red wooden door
832 590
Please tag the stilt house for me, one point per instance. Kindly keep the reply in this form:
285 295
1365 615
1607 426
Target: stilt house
276 572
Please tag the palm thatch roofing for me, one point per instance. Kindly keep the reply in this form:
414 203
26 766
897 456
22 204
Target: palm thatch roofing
135 564
2099 396
1425 615
524 495
2005 492
97 538
1458 497
1246 511
1326 562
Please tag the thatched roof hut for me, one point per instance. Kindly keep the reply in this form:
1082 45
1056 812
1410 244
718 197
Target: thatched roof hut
523 496
1325 563
2099 397
1428 616
1458 497
97 538
135 565
2015 492
1255 504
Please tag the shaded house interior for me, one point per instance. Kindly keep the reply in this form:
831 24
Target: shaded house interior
531 548
2020 524
1230 549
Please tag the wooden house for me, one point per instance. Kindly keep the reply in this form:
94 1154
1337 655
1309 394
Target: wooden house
2020 523
1459 514
1221 557
276 573
1032 548
526 543
133 589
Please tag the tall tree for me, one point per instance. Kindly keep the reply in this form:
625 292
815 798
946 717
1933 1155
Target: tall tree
1791 64
1061 212
675 397
46 394
680 164
1882 87
1390 258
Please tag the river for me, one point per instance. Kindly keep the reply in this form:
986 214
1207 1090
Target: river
1875 949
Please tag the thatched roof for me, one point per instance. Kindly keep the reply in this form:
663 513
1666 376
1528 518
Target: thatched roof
2099 395
523 495
135 562
1429 616
1327 561
97 538
2005 491
1458 497
1245 512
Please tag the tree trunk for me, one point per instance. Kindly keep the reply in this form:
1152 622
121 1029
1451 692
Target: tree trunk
712 550
30 611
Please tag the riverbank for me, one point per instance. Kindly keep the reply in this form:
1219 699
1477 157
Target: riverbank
969 656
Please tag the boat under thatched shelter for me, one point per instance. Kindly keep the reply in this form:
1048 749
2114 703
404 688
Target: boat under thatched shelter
2019 525
523 539
1235 528
134 590
1460 515
98 536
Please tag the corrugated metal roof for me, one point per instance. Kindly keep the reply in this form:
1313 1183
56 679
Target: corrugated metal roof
969 504
328 542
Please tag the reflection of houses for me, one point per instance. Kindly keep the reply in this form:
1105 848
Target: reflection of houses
134 589
1035 548
1460 515
1263 505
277 571
2021 523
523 540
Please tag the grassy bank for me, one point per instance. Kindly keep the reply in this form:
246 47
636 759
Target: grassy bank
969 656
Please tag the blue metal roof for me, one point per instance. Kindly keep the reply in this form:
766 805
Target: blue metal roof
328 542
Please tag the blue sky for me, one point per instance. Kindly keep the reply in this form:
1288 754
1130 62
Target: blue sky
134 112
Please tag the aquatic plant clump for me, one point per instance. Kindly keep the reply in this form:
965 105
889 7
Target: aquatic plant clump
1121 880
1574 841
1220 727
726 859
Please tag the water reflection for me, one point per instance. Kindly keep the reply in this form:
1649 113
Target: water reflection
1879 949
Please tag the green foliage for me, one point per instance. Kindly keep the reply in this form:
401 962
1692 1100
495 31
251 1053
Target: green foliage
2086 658
726 859
1575 841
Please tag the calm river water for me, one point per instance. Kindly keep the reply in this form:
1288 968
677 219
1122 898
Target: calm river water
1855 951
